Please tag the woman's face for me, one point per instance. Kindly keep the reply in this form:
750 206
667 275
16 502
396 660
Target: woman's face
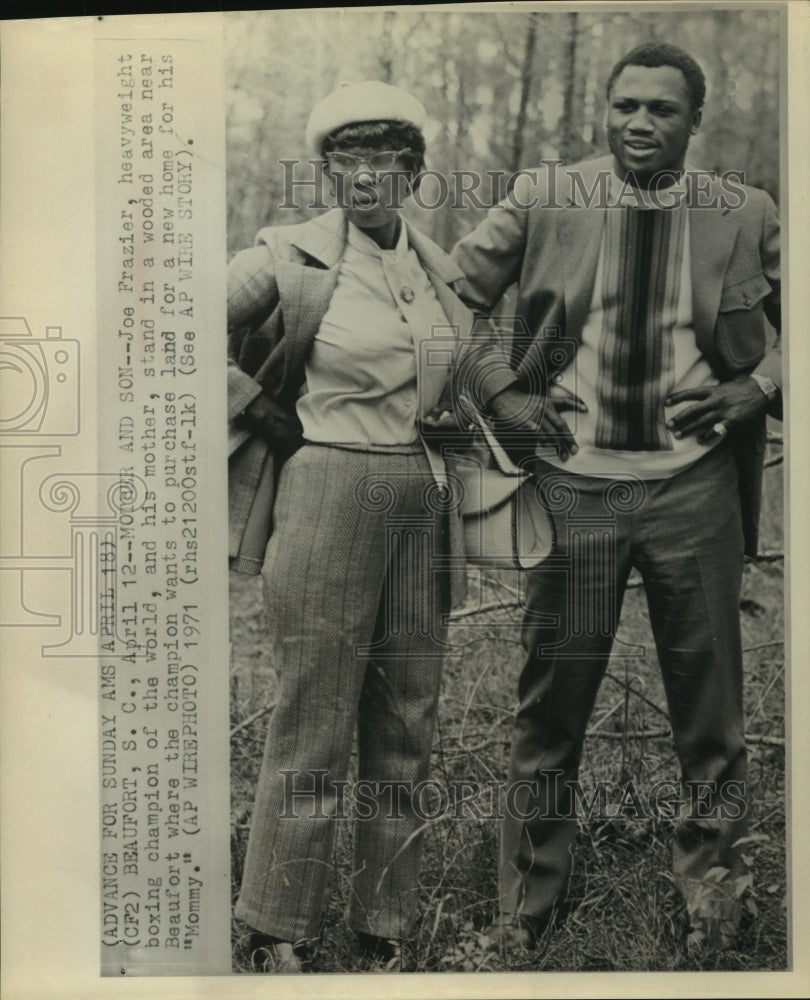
371 185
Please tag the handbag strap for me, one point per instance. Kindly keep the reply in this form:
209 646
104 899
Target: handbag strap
502 460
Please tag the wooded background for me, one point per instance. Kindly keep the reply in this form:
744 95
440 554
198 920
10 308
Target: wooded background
502 90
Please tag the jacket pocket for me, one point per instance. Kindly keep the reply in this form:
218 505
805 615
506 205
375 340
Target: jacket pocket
740 329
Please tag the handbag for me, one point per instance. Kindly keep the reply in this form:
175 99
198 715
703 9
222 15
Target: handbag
506 526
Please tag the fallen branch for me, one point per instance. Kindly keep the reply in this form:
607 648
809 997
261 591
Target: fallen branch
658 734
252 718
494 606
638 694
633 583
483 708
632 734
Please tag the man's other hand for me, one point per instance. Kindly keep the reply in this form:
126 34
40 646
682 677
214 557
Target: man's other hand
727 404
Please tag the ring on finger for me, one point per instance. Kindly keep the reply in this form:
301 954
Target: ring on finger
720 429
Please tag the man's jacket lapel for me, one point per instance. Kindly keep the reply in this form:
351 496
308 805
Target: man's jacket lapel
711 243
580 238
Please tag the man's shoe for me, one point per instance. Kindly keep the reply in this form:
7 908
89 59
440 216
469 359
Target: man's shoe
512 933
384 953
714 910
271 954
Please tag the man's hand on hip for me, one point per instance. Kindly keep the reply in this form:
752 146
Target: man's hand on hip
716 408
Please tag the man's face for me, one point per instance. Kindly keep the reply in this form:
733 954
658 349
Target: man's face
649 120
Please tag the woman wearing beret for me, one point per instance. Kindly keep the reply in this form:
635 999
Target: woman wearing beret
330 382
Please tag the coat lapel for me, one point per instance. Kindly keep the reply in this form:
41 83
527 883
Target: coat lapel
441 271
711 242
580 232
305 290
580 239
434 260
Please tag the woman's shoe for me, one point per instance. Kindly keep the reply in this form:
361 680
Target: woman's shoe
271 954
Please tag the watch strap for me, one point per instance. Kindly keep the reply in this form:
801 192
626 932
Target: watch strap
768 386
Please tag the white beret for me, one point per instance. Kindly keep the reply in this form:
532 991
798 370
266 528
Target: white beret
369 101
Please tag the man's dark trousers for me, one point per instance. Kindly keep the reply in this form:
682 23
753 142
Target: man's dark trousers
684 536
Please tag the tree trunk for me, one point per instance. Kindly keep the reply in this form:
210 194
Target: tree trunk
525 92
568 141
387 46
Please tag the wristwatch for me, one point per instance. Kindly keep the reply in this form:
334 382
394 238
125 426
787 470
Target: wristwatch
768 387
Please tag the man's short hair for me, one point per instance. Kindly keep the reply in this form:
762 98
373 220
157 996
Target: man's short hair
662 54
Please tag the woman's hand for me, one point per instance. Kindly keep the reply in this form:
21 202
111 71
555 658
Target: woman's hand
442 427
272 422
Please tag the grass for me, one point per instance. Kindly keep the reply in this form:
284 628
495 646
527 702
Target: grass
628 915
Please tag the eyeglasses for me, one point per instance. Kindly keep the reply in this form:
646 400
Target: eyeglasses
379 161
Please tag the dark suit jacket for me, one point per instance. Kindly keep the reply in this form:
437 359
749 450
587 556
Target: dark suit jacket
548 241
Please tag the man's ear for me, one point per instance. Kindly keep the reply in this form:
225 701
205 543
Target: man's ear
697 117
606 111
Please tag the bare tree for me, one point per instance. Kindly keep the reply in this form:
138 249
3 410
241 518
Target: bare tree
568 144
525 91
387 46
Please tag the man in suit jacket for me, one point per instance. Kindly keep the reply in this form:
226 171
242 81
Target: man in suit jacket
643 373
